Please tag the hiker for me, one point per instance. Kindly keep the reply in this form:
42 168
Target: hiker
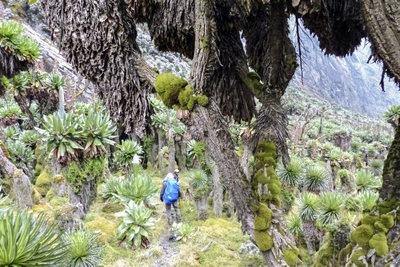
170 193
176 177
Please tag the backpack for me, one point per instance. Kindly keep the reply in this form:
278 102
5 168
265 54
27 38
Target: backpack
171 193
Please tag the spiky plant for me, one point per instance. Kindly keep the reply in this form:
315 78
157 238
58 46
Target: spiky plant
139 188
21 155
294 224
10 134
62 136
84 248
376 166
330 206
365 180
13 41
292 174
182 231
28 240
392 115
136 225
54 81
307 206
368 200
199 181
10 113
353 203
110 187
97 132
29 137
126 152
334 154
316 178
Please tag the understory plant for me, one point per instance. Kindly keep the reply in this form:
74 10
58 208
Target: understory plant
85 249
136 225
29 240
138 188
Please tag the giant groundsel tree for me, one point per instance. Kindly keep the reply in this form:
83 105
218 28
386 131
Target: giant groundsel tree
101 44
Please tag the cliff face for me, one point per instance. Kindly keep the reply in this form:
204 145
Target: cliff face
349 82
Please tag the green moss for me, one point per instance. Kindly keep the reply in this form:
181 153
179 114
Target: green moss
260 223
57 202
168 86
274 187
343 254
254 83
202 100
387 220
204 42
263 220
184 96
355 256
291 256
361 235
43 182
191 103
369 220
263 240
387 206
379 243
324 255
262 179
112 208
267 146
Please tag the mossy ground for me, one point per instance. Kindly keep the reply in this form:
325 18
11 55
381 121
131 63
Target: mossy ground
224 233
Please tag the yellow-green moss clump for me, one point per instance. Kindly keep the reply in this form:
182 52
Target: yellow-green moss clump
168 86
369 220
262 221
254 83
386 221
263 240
291 256
385 207
43 182
174 90
379 243
324 255
343 255
354 258
361 235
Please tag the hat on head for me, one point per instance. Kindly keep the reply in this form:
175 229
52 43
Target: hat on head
170 176
176 170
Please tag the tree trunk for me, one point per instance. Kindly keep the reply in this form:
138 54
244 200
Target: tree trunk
161 144
218 192
207 124
171 154
391 170
202 207
180 148
20 183
310 235
382 18
81 200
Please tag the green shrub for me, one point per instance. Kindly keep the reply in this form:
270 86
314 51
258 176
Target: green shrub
136 226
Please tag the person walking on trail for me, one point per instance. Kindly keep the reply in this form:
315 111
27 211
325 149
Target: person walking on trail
170 193
176 177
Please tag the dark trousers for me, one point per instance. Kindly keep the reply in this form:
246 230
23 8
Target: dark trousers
176 213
